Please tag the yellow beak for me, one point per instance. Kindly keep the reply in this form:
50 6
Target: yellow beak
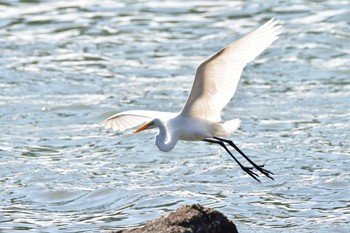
145 126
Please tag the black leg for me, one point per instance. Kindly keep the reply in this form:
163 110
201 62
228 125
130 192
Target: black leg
246 169
259 168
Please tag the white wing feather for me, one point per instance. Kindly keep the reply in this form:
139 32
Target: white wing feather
217 77
130 119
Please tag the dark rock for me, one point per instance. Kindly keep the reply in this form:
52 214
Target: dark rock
188 219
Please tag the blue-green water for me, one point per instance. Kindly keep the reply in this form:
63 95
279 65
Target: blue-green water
67 65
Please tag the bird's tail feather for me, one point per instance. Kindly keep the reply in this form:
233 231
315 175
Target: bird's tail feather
232 125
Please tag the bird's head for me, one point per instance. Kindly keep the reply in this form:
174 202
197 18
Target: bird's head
148 125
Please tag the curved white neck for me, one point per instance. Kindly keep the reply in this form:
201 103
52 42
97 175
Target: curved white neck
162 141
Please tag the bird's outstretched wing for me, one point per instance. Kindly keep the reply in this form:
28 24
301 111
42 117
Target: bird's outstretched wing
130 119
217 77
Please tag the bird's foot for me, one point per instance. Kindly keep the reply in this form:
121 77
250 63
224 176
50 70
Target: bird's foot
249 171
264 171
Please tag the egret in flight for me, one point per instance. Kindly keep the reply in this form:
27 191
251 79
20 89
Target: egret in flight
214 85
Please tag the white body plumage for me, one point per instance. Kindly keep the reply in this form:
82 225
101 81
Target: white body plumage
214 85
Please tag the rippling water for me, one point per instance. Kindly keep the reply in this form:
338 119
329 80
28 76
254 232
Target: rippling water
66 65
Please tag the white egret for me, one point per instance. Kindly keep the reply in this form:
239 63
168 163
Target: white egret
214 85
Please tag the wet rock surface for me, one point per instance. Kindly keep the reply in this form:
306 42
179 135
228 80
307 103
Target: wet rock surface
188 219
